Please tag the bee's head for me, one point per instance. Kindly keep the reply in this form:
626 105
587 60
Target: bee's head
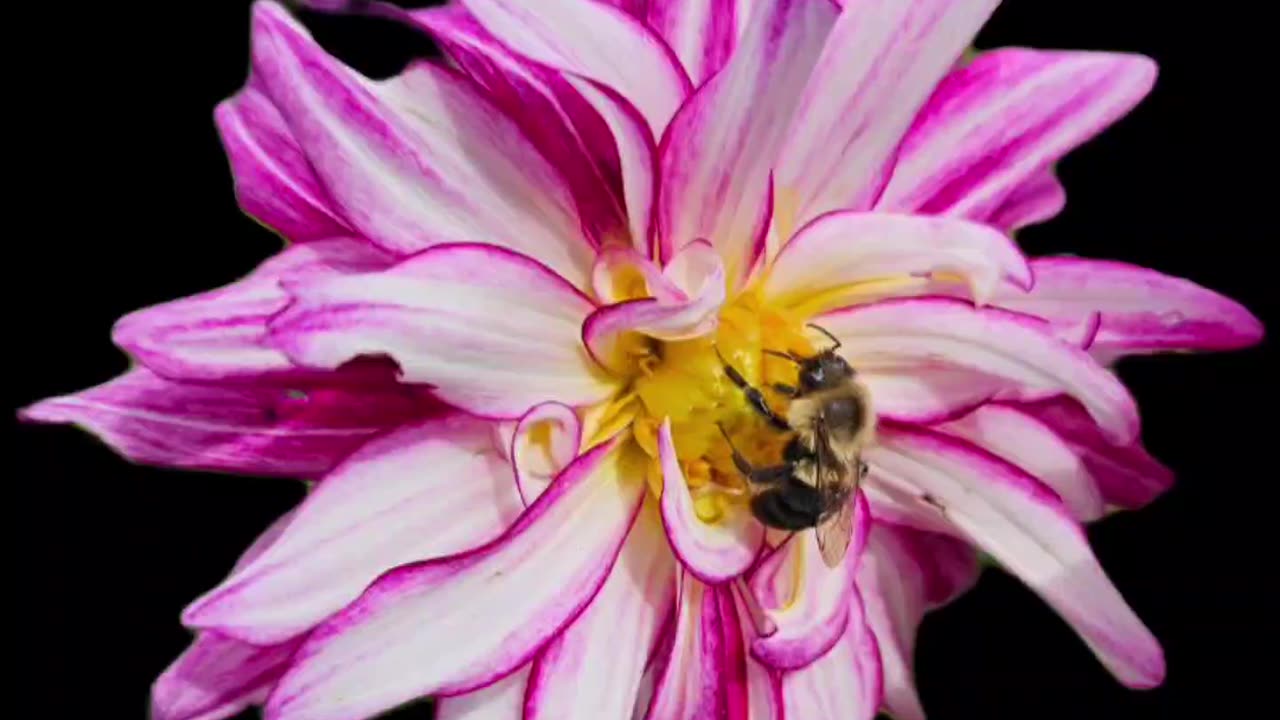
824 370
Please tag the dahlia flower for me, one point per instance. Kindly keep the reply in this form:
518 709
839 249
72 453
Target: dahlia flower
494 345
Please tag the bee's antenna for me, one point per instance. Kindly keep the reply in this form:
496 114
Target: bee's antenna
830 337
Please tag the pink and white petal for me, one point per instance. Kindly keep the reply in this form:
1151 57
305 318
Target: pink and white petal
594 668
998 122
705 675
702 33
764 684
425 491
618 270
274 182
494 331
713 553
883 59
903 574
418 160
300 431
840 249
1027 529
697 274
221 334
494 606
805 602
557 119
537 461
1011 346
1033 446
720 148
846 682
926 393
1126 474
1038 199
217 677
587 38
503 700
1143 311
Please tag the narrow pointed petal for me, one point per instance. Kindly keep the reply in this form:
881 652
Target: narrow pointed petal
701 287
702 33
904 573
845 682
764 684
300 431
543 442
879 66
705 676
805 602
418 160
1126 474
221 334
713 553
493 607
1038 199
1027 529
1033 446
845 248
274 182
1142 311
555 117
719 150
496 332
996 123
503 700
587 38
1014 347
218 676
593 669
426 491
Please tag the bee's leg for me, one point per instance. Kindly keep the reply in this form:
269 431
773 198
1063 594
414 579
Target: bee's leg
784 389
754 396
769 475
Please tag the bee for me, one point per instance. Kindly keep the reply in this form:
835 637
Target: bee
830 420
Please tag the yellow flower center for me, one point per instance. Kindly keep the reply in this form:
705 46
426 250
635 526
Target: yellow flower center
685 381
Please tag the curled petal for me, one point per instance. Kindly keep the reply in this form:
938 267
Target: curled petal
587 39
1038 199
806 602
274 182
418 160
1016 348
222 334
1033 446
426 491
846 682
579 675
494 331
718 152
622 273
1025 527
494 607
503 700
713 553
1142 311
543 442
996 123
1126 474
297 431
842 249
881 62
696 272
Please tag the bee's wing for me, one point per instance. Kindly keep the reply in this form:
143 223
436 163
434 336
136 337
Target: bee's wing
831 476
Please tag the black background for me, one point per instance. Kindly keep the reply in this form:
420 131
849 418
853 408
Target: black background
123 198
